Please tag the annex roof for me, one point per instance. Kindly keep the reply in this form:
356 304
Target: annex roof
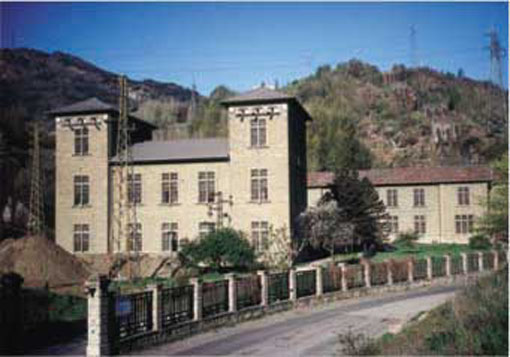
213 149
258 95
412 175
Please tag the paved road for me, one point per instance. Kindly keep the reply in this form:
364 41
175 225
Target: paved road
310 332
302 332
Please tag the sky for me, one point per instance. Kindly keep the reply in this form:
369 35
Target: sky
241 45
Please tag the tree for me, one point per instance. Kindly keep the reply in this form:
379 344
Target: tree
282 250
360 205
326 226
494 222
219 249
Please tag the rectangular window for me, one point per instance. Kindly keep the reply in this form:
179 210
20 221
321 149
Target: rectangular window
170 238
135 188
258 132
260 235
135 237
204 228
81 141
169 188
463 196
391 198
393 224
206 187
259 190
420 225
81 237
419 197
81 190
464 223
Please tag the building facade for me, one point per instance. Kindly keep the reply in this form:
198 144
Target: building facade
441 204
182 189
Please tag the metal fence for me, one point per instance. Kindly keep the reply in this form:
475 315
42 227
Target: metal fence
278 286
378 274
331 279
214 298
420 269
400 270
488 261
438 266
248 291
355 276
176 305
305 281
456 265
133 314
472 260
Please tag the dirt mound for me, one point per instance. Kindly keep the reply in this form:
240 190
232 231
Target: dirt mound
38 259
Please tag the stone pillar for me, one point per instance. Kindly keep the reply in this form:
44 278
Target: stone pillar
429 268
464 263
496 260
389 272
98 301
480 261
448 264
343 269
319 285
366 268
410 270
156 306
292 284
197 298
232 296
264 287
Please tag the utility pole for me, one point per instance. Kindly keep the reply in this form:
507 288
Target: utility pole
193 105
412 40
217 206
36 209
125 216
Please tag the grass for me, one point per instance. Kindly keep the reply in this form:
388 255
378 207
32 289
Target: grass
474 323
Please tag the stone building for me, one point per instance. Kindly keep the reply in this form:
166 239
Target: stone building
181 189
441 204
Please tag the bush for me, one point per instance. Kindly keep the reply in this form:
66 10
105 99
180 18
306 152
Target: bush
222 248
479 241
407 239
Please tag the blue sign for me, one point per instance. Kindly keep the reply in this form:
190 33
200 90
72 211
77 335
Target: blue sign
123 307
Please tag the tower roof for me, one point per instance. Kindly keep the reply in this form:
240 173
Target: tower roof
261 94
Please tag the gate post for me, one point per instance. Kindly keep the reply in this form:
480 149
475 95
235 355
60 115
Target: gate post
197 298
343 269
366 268
232 296
389 272
496 260
410 270
98 343
264 287
292 284
429 268
319 286
480 261
464 263
156 306
448 263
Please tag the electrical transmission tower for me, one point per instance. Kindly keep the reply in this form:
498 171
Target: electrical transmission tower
412 41
126 222
36 209
496 55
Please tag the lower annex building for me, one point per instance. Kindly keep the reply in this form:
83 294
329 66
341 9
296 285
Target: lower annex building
441 204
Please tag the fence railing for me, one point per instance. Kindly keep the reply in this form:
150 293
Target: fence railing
214 298
248 292
306 283
176 305
128 317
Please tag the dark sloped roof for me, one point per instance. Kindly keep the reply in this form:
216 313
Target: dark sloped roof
258 95
180 150
91 105
412 175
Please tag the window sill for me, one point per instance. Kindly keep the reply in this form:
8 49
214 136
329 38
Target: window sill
169 204
82 206
81 155
204 203
259 202
258 147
419 207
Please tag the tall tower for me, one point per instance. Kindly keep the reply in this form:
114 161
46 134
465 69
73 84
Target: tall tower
36 213
496 53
